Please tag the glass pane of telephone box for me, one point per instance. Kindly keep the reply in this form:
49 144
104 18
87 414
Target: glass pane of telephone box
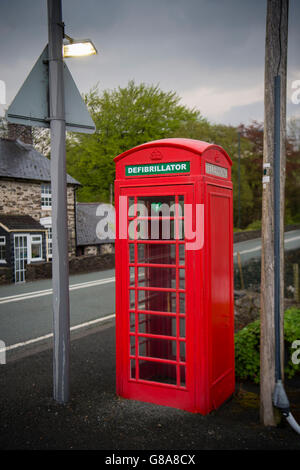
157 324
158 301
160 229
182 376
158 348
132 276
157 253
154 206
131 299
157 372
182 279
132 345
131 253
132 369
182 327
181 302
181 254
157 277
132 322
182 350
131 206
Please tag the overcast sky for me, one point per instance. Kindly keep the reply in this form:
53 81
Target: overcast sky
211 52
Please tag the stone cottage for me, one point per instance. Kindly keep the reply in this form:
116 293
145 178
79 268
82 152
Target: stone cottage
93 237
25 205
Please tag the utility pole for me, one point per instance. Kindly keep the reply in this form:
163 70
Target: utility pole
272 287
60 261
239 179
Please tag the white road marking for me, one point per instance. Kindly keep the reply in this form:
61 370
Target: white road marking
257 248
32 295
82 285
50 335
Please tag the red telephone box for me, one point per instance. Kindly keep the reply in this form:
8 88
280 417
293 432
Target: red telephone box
174 274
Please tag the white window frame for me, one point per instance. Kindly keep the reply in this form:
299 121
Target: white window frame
27 260
29 250
46 193
47 223
3 243
49 240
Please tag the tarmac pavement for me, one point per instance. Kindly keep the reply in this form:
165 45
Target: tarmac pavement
96 418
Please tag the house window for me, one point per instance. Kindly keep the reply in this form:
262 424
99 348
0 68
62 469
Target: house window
2 249
36 247
47 223
49 234
46 196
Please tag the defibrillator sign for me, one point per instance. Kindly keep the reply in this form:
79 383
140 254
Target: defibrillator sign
157 169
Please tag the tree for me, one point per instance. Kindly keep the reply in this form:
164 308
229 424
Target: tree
292 188
293 132
227 138
252 164
124 118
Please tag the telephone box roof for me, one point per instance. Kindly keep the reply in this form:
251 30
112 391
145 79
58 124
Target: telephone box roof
197 146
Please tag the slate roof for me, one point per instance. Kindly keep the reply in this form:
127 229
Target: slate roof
20 222
22 161
86 224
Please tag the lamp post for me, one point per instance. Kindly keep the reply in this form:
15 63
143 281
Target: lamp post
60 259
78 47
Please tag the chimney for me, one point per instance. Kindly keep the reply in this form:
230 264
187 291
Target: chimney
18 131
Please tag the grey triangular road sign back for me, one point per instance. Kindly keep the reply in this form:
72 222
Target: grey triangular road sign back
31 104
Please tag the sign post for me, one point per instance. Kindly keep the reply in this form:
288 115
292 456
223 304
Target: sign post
60 264
49 98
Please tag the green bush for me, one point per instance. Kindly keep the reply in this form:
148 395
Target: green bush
256 225
247 347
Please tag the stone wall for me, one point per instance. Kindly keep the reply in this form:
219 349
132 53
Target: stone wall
77 265
85 264
90 250
24 198
107 248
23 133
100 249
5 275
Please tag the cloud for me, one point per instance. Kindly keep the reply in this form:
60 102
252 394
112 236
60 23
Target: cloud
214 103
210 52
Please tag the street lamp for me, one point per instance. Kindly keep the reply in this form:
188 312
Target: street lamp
60 258
78 47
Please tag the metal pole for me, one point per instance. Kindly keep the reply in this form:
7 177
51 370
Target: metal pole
111 193
60 262
239 180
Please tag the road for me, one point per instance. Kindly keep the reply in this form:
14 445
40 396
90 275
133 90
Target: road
26 310
252 248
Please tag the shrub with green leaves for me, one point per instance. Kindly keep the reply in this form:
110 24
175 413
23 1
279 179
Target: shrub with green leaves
247 347
291 334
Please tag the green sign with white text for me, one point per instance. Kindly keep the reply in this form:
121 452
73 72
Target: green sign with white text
157 169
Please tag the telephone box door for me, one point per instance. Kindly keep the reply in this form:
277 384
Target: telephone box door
154 331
